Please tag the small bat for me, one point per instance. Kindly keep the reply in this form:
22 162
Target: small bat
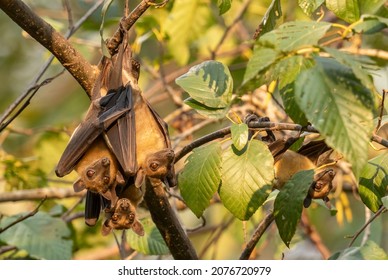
120 128
123 215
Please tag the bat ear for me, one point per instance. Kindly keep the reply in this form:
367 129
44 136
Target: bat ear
120 179
137 228
307 201
79 185
105 230
139 178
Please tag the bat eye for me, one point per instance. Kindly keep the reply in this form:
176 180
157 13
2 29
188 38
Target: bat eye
90 173
106 179
154 166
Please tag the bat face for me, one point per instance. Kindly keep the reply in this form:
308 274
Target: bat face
159 164
323 184
122 216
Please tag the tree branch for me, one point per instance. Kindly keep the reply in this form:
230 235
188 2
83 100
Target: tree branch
53 41
22 218
37 194
265 223
126 23
168 224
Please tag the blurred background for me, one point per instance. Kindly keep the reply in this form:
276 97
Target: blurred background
166 41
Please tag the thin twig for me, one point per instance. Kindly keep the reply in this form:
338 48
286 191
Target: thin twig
7 248
314 236
67 6
52 40
216 236
44 68
71 209
126 23
262 227
22 218
33 91
238 18
37 194
357 234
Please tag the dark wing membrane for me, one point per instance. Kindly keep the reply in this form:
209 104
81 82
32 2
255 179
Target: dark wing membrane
94 202
121 135
314 149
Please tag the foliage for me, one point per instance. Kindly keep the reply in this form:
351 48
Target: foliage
215 59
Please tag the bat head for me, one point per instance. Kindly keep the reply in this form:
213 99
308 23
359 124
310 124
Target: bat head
98 177
122 216
322 184
158 165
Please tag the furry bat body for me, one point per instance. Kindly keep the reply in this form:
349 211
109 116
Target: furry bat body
124 216
119 132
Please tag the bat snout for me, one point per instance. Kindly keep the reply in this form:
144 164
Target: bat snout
105 161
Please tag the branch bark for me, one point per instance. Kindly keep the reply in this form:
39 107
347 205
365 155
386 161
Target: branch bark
167 222
53 41
38 194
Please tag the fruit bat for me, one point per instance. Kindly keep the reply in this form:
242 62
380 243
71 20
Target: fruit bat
123 215
120 128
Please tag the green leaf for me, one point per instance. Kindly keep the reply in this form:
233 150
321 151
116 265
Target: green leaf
309 6
288 204
357 67
201 177
268 22
296 34
247 177
291 106
384 200
348 10
185 22
41 235
337 104
224 6
287 69
209 83
374 182
262 57
206 111
151 243
370 24
369 251
372 6
239 135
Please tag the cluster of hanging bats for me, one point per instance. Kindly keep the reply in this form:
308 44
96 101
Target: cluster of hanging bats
123 145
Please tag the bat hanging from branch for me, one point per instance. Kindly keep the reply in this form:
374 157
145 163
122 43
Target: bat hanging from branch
120 130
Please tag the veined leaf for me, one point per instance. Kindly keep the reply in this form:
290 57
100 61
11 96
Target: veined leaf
205 110
370 24
224 5
262 58
338 106
288 204
291 106
201 177
369 251
356 66
239 135
268 22
374 182
209 83
309 6
348 10
287 69
151 243
247 177
41 235
296 34
186 21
